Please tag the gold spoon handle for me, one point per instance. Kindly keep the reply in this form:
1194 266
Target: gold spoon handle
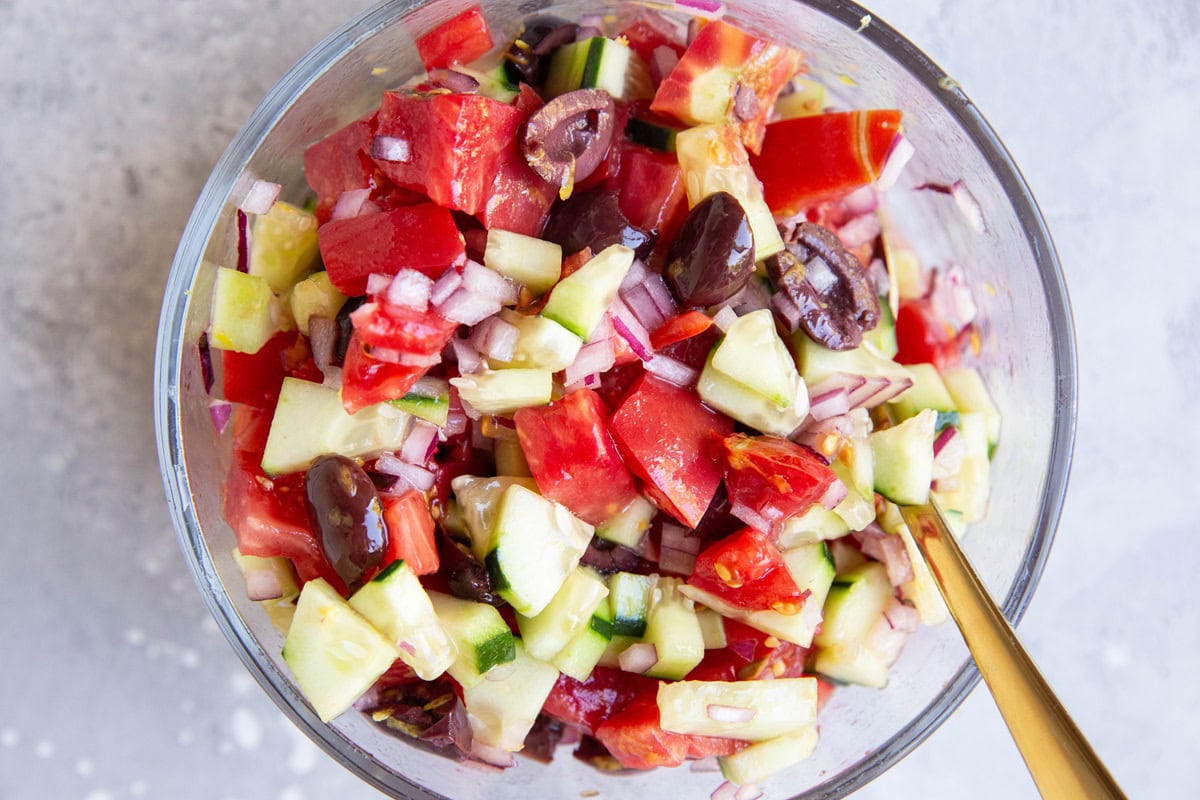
1062 763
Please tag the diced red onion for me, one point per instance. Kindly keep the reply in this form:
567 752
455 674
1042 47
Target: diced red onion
632 331
662 61
220 411
676 562
951 299
603 330
485 282
902 617
863 396
468 358
410 289
409 475
890 389
678 537
637 274
445 286
885 641
898 158
496 338
204 352
706 764
456 423
944 438
752 518
707 9
828 404
748 792
243 242
723 713
861 201
726 791
835 494
391 148
262 584
845 381
724 317
968 206
673 370
351 203
492 755
408 647
642 307
260 198
403 358
750 297
638 657
860 230
785 310
467 307
661 295
457 82
420 444
378 283
888 549
745 102
594 357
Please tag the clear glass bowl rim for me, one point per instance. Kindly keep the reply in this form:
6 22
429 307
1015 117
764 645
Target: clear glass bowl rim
169 359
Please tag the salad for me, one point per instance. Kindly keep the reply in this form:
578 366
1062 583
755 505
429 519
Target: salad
575 405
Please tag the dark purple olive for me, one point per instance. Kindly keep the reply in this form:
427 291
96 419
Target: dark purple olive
712 255
829 286
566 139
525 60
345 328
594 220
465 576
345 511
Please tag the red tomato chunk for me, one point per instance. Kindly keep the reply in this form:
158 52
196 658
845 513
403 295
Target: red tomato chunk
458 40
367 381
747 571
410 532
922 337
772 477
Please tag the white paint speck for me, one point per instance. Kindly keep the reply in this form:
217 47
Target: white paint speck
241 683
44 749
291 793
9 737
247 730
186 736
84 767
137 789
135 637
98 794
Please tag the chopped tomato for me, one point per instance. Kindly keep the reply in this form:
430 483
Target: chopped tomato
457 143
402 329
668 437
421 237
617 383
718 665
773 478
782 660
572 456
609 168
367 381
520 199
705 746
747 571
720 62
255 378
589 703
341 162
694 350
459 40
922 337
410 532
825 690
651 191
680 327
636 739
649 32
807 160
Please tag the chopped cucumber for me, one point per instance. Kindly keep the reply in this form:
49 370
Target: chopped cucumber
599 63
629 595
796 628
629 526
851 662
857 508
811 566
854 603
712 627
428 400
395 602
502 712
780 707
966 386
652 135
580 299
274 577
815 525
750 407
754 764
505 391
674 630
881 340
315 296
310 421
906 273
970 496
541 343
536 543
922 590
568 613
482 640
535 263
334 654
817 363
752 354
904 459
479 500
583 652
510 459
927 391
494 83
245 313
713 160
807 100
283 245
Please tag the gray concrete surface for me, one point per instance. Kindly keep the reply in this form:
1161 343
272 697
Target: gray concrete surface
113 681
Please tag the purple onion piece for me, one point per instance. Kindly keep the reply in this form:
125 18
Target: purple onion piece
206 365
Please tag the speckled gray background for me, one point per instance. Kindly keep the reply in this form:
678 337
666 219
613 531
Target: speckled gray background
113 681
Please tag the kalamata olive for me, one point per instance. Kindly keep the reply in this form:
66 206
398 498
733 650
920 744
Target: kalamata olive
566 139
465 576
712 255
345 329
525 59
594 220
828 285
345 511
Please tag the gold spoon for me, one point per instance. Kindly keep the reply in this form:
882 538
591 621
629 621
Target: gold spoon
1062 763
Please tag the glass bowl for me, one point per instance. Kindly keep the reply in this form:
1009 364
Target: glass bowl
1028 361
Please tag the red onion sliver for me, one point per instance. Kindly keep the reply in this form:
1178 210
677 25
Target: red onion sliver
708 9
243 242
662 61
751 518
898 158
220 411
204 352
409 476
859 230
410 289
350 203
895 558
262 584
706 764
445 286
391 148
638 272
642 307
456 423
467 307
726 791
457 82
420 443
594 357
629 329
838 380
722 713
726 316
260 198
785 310
902 617
949 432
496 338
835 494
968 206
748 792
484 282
468 358
670 369
676 562
638 657
830 404
658 291
378 283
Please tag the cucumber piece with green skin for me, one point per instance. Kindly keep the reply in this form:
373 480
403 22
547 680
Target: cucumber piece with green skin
494 83
502 712
334 654
482 640
397 605
534 263
541 344
815 525
747 406
780 707
277 577
796 628
568 613
854 603
598 63
674 630
536 543
970 394
583 652
479 500
904 459
579 300
429 400
315 296
881 340
283 245
851 662
245 312
652 135
807 99
970 496
752 765
752 354
927 391
629 526
811 567
857 508
629 595
505 391
309 421
817 363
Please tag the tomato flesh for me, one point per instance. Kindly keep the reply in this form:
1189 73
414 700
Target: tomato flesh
459 40
746 570
636 738
668 439
367 381
651 191
645 35
402 329
255 378
572 456
680 327
519 199
773 478
922 337
410 532
341 162
589 703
